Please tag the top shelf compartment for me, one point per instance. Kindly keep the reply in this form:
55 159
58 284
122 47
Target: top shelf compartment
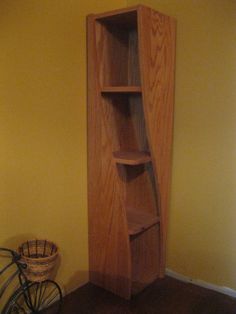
117 49
127 19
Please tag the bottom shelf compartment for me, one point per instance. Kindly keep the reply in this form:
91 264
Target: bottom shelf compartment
145 258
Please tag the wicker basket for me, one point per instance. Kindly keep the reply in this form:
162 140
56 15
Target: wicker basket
40 257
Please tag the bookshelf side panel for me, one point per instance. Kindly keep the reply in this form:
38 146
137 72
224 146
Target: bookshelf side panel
109 251
157 60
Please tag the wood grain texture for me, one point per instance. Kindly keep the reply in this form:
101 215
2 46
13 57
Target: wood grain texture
118 52
130 109
126 121
112 53
139 221
108 232
121 89
133 58
157 60
140 190
128 132
145 258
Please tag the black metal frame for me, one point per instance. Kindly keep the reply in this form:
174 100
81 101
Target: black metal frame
15 257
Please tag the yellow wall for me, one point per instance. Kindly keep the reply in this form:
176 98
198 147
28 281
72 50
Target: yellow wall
43 127
43 133
202 232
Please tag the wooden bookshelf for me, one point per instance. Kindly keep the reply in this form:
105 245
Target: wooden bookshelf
131 59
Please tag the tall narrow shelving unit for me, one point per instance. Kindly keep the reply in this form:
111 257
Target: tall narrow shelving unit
131 54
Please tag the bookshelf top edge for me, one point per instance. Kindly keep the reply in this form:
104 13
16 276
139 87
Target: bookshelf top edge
133 10
116 12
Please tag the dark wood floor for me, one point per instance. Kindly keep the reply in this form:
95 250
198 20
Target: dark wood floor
165 296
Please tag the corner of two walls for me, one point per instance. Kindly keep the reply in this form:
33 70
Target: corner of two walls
43 134
202 233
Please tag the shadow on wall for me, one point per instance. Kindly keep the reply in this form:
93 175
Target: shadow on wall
72 283
14 242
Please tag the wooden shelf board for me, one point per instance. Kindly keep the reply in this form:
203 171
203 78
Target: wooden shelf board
139 221
131 157
121 89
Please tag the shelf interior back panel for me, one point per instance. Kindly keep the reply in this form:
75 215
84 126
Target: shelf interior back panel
118 52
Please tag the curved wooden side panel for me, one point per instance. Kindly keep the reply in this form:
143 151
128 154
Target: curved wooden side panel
109 248
157 59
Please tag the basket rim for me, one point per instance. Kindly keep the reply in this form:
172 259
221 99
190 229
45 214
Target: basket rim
38 259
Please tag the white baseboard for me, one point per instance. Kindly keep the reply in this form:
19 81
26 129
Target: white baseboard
201 283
